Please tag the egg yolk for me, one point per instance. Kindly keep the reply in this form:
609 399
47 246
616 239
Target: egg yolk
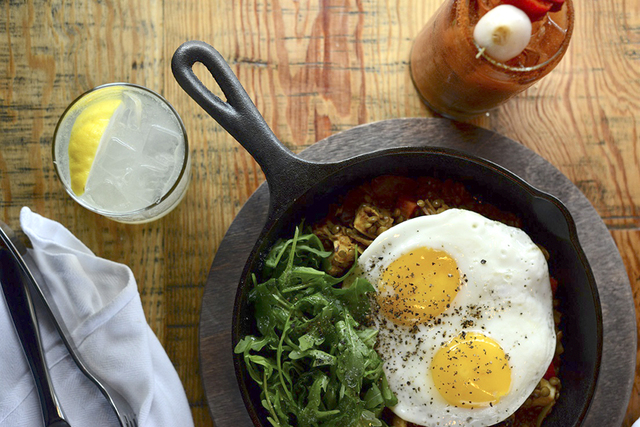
471 371
418 286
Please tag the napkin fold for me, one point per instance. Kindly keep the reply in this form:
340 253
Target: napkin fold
101 307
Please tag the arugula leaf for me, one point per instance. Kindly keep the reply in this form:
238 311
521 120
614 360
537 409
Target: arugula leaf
313 358
354 297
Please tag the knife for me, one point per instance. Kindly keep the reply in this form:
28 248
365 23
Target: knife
21 308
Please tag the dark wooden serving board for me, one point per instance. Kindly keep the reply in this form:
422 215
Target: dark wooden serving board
619 353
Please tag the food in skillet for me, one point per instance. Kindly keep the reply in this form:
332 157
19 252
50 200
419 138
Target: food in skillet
411 343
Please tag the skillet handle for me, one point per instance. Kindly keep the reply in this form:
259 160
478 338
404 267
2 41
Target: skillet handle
287 174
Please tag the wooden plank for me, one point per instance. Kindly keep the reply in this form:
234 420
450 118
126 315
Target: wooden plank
313 68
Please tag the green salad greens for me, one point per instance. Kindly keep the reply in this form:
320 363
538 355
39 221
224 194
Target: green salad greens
314 358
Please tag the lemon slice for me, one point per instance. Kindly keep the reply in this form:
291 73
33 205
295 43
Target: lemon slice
85 137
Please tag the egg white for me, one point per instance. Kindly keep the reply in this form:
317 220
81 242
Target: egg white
505 295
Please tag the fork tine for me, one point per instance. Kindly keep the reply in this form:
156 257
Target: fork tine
131 421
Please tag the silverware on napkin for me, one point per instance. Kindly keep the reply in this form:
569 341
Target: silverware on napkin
21 307
29 287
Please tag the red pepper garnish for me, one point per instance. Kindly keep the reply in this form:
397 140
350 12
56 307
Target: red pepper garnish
535 9
554 285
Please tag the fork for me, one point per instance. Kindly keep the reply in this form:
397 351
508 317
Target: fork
125 413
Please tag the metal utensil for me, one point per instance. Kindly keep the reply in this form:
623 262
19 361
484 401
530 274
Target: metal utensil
125 413
23 314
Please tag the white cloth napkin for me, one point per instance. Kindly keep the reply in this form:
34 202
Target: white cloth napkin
101 307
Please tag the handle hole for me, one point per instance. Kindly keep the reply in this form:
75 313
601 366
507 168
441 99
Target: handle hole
203 74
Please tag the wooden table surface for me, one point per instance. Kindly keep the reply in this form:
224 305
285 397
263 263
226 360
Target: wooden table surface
313 68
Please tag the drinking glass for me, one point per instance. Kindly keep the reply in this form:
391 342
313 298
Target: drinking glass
142 164
454 76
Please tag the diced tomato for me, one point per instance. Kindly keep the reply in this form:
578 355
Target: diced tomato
387 188
535 9
407 206
551 372
554 285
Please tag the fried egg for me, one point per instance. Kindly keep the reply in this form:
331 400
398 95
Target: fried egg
465 318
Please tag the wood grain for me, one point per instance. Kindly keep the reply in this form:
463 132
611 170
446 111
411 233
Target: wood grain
313 68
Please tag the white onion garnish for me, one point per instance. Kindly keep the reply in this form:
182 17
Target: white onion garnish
503 32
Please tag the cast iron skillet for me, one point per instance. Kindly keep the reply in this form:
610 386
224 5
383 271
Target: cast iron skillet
302 189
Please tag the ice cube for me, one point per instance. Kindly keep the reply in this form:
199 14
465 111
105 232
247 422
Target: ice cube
546 38
147 182
97 175
161 145
105 195
117 157
528 58
129 114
